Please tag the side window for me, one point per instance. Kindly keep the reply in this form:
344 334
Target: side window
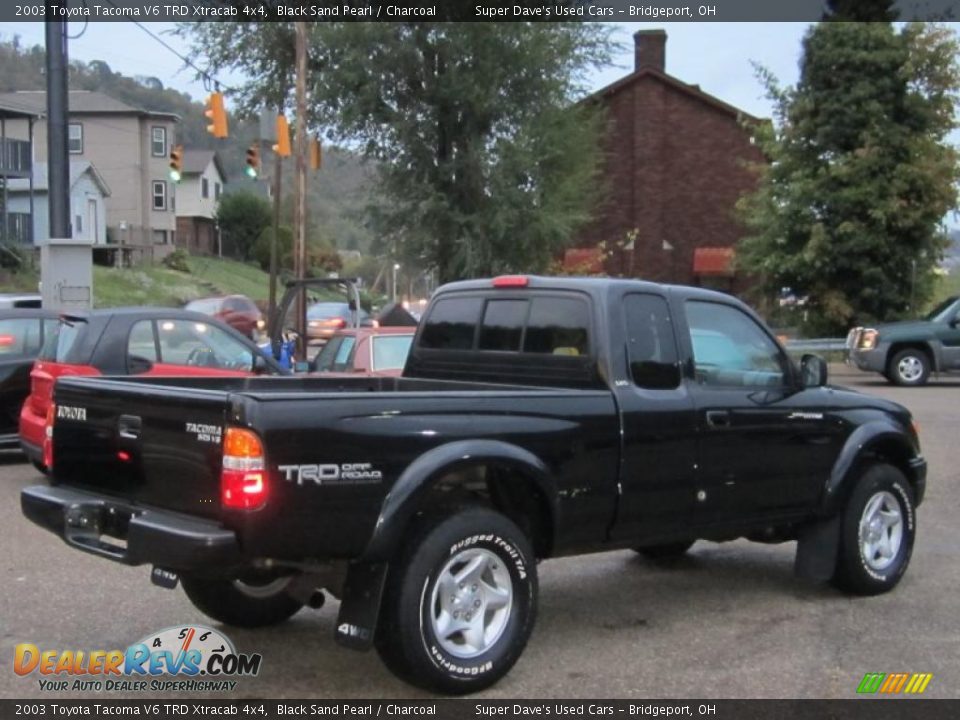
19 336
730 349
141 344
198 344
651 347
502 326
341 362
451 324
558 326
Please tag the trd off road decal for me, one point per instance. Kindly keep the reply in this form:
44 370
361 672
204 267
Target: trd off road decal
332 474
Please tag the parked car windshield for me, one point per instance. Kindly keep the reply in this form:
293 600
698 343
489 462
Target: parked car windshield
941 313
207 306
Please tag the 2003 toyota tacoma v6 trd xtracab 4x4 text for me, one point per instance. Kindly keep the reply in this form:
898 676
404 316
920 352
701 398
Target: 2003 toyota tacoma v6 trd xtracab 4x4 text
536 418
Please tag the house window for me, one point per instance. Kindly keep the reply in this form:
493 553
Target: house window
78 224
216 191
204 188
75 138
159 195
158 145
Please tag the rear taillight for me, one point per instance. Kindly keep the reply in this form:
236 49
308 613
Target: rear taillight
48 436
243 479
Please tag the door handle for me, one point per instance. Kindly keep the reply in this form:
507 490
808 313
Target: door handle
718 418
129 426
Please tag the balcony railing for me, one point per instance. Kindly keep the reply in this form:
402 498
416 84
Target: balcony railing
15 158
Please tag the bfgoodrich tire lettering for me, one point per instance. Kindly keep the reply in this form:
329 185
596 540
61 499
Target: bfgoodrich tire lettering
878 530
476 563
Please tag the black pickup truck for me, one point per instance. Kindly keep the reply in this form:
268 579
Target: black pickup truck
536 418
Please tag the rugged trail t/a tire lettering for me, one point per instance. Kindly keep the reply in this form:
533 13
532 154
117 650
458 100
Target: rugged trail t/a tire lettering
251 602
460 603
877 532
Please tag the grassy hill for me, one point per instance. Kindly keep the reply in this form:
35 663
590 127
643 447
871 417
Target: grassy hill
158 285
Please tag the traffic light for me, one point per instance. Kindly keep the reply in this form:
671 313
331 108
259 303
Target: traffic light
316 154
217 115
282 147
253 161
176 163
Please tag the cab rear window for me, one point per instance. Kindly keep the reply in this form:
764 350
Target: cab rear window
545 324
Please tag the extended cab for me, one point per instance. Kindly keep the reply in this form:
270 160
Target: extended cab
536 417
906 353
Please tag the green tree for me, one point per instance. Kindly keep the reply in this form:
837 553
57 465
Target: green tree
261 249
487 164
242 217
849 209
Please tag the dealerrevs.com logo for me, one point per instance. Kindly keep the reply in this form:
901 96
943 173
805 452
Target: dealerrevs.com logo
180 658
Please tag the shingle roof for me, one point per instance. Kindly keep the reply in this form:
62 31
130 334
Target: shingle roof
78 101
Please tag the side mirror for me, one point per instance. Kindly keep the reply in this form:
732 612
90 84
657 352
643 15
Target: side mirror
955 322
813 371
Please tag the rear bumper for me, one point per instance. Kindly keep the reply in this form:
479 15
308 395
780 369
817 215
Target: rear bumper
130 534
33 429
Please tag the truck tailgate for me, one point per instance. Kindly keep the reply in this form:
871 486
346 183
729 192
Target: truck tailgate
141 443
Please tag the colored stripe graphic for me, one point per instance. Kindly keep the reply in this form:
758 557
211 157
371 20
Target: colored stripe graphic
871 682
894 683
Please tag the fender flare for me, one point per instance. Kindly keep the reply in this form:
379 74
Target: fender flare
401 502
864 439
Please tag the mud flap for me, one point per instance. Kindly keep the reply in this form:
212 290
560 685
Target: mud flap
817 549
360 605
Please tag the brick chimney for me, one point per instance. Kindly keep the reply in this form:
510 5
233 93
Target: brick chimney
650 49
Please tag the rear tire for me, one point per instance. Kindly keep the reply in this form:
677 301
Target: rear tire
670 551
251 602
460 603
909 367
877 532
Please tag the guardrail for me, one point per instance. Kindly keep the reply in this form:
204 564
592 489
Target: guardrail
817 345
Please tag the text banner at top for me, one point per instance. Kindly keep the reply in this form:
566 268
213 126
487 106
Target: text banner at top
450 10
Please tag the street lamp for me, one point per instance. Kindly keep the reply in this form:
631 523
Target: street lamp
396 267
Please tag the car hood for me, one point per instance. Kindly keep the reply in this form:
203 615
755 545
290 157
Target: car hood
904 327
848 398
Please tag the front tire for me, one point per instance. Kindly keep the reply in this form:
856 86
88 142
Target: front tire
460 603
910 368
255 600
877 532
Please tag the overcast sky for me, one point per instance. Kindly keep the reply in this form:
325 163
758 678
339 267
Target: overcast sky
716 56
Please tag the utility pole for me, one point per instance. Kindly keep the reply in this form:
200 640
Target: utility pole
300 256
277 186
58 160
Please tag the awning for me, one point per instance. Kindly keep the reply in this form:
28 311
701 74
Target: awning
713 261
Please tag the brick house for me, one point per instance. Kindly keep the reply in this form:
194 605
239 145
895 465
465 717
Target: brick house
674 168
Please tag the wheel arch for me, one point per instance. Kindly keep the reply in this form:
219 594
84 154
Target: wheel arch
924 346
877 441
510 478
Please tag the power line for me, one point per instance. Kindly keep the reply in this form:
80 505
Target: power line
207 77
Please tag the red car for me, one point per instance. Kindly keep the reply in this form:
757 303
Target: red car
369 350
237 311
132 341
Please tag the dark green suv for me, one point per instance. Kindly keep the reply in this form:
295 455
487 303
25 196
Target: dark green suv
907 352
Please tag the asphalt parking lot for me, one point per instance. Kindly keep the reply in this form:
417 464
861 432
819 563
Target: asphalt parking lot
729 621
